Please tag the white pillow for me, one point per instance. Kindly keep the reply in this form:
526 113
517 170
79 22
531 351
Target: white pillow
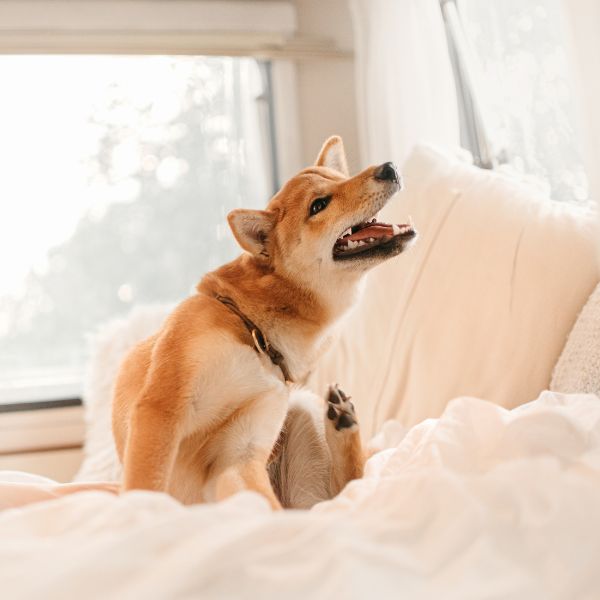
480 306
578 368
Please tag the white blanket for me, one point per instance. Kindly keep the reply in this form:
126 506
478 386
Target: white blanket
481 503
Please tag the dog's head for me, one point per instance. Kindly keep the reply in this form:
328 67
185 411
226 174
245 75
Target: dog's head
322 223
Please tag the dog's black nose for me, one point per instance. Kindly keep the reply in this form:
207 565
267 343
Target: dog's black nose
387 172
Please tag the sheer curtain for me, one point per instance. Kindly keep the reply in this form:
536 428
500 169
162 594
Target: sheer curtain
405 89
583 25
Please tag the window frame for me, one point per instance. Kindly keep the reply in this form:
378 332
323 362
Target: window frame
55 392
473 128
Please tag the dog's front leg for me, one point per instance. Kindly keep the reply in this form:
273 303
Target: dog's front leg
151 447
251 437
251 474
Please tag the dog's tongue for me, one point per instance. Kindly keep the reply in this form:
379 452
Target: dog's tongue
376 230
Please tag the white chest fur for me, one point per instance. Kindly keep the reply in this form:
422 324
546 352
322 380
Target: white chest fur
302 350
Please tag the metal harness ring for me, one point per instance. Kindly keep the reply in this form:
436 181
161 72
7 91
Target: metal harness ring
262 347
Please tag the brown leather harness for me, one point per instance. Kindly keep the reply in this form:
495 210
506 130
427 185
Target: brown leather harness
261 344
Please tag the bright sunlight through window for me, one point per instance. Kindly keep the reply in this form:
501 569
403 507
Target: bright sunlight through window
116 175
527 88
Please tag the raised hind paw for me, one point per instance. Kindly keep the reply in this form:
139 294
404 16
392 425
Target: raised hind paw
340 411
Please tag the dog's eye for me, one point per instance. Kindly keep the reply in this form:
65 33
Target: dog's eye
319 204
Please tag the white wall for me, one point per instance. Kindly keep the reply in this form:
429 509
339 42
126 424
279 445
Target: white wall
327 99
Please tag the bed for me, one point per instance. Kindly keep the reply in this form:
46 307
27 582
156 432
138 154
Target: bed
480 503
483 484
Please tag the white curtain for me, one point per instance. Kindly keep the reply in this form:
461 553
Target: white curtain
583 27
406 90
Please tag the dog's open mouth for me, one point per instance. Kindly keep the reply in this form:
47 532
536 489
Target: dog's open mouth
372 238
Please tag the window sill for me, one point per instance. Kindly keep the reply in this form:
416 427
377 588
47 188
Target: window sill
58 465
42 429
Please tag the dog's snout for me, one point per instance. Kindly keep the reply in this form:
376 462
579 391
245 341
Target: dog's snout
387 172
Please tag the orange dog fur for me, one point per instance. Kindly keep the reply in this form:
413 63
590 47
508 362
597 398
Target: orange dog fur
198 412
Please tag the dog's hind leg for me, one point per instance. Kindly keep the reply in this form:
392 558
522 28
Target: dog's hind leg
300 464
316 455
343 439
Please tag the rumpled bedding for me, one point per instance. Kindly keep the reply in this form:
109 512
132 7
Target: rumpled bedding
480 503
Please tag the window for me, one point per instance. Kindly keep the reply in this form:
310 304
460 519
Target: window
116 176
518 76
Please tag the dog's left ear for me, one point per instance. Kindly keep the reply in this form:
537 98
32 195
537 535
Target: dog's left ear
332 155
251 229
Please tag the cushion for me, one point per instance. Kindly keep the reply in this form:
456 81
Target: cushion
480 306
578 368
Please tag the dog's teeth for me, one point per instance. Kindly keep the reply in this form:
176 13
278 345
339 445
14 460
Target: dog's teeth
410 222
396 229
371 240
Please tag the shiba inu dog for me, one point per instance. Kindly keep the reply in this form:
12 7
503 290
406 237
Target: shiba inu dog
210 404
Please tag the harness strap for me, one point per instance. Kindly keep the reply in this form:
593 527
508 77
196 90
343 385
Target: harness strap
261 344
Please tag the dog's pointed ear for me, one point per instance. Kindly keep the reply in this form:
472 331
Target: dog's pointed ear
251 229
332 155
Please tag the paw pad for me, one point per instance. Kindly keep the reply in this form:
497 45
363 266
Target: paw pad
340 411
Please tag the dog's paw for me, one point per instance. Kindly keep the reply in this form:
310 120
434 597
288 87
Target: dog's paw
340 411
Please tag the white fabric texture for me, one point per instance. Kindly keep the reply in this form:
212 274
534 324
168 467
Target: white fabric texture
405 86
481 503
482 304
109 346
578 368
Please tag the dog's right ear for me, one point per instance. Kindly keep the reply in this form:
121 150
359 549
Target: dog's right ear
251 229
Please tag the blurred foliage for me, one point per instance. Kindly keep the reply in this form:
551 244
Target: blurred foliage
155 245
